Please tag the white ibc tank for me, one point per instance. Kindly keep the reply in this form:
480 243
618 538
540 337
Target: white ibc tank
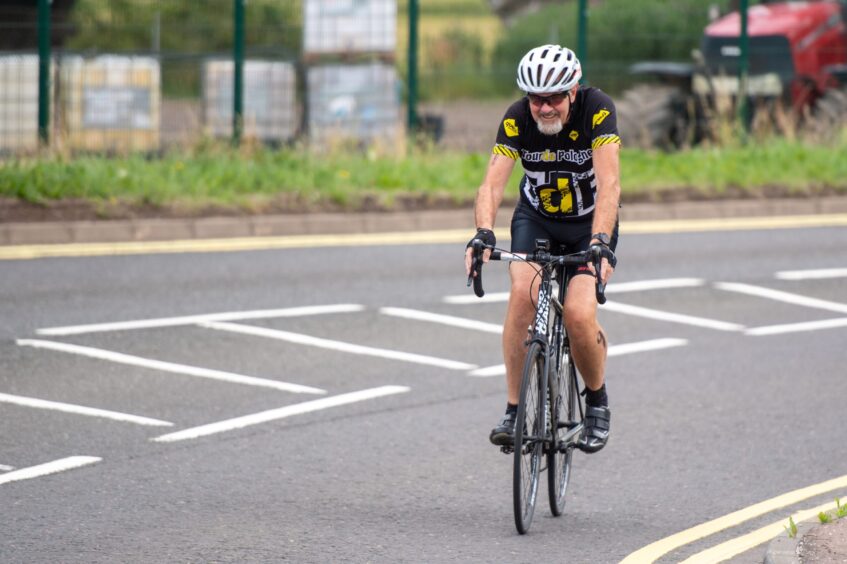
110 103
354 102
270 104
18 103
349 26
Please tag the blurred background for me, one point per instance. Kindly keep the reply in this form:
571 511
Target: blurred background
154 75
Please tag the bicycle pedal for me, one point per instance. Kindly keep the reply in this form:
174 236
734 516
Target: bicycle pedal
507 450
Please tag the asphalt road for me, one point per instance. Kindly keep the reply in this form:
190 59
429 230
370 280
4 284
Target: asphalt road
202 455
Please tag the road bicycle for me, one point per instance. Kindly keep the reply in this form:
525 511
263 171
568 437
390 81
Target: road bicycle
551 413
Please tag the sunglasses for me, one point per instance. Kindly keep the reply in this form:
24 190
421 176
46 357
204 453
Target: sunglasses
552 99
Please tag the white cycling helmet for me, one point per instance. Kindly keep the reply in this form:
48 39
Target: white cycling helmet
548 69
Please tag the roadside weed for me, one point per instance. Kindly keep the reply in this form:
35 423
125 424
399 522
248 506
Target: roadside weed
824 517
791 529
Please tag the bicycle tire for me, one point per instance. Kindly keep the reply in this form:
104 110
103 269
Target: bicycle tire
529 437
563 415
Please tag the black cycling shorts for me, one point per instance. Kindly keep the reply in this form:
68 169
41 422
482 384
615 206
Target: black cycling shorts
573 235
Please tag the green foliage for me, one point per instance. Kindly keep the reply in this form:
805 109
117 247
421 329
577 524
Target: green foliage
791 529
254 179
620 32
183 33
824 517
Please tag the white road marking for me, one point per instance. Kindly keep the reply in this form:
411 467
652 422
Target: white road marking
614 288
60 465
661 284
341 346
489 297
734 547
672 317
654 551
780 296
615 350
4 468
645 346
798 327
280 413
82 410
169 366
817 274
443 319
194 319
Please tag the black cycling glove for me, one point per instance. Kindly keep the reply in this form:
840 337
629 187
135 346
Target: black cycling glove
484 235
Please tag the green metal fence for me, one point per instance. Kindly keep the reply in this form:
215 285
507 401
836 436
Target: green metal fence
153 75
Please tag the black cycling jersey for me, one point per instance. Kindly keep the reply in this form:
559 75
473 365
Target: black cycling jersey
559 179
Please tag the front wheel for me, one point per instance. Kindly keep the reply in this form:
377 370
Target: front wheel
529 436
564 418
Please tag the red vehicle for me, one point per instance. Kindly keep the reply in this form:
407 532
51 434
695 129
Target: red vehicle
797 58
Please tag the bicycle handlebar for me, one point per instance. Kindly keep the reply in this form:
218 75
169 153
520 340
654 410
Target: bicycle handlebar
593 255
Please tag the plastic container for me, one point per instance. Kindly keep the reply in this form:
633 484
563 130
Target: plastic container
110 103
270 100
349 26
359 103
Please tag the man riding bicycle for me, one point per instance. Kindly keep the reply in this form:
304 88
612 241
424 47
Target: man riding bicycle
567 140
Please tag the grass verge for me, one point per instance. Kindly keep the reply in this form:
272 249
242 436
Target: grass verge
255 180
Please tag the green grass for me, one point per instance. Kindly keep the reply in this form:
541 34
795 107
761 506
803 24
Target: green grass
254 179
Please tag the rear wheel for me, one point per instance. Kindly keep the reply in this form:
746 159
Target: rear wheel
564 417
529 437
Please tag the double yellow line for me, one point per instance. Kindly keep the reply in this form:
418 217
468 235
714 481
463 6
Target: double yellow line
398 238
728 549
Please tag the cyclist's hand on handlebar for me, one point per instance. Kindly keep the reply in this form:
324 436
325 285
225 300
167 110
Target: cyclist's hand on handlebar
487 239
608 262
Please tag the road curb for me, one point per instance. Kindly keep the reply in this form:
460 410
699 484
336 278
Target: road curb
168 229
783 549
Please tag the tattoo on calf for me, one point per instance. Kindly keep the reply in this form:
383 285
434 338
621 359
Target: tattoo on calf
601 340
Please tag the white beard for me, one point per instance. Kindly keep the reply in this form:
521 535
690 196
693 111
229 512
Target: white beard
550 128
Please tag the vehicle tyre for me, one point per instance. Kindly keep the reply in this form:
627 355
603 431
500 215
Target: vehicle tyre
529 436
654 116
829 115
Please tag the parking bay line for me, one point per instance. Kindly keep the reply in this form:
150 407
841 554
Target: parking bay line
280 413
672 317
615 350
60 465
815 274
195 319
797 327
654 551
169 366
613 288
82 410
780 296
301 339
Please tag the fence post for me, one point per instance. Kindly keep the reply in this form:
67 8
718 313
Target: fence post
582 34
238 73
412 115
44 71
743 66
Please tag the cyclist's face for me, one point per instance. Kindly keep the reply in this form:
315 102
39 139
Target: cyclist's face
548 108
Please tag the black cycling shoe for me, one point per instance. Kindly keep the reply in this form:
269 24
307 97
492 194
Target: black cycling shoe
596 431
504 433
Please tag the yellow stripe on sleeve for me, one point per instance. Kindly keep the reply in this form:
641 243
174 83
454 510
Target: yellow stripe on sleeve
505 151
605 140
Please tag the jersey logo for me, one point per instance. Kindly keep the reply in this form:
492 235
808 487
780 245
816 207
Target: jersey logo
573 135
565 197
599 117
511 127
548 156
